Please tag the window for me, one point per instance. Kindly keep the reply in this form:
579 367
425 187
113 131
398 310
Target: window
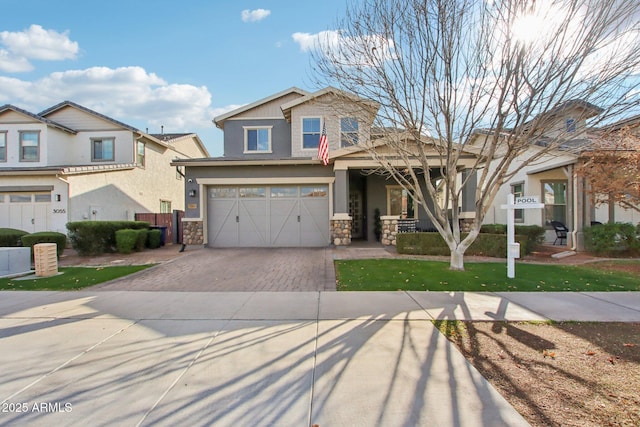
252 192
319 191
257 139
571 125
165 206
348 131
310 132
42 197
284 192
140 153
3 146
222 193
518 191
29 146
102 149
399 202
20 198
555 201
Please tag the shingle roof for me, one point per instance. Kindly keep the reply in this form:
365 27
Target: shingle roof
37 117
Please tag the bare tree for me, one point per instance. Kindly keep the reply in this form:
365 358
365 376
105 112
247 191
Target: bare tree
480 79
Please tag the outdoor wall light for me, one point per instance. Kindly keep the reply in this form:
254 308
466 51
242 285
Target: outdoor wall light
58 197
192 193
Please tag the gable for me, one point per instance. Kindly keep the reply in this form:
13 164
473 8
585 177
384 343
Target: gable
81 120
10 116
270 109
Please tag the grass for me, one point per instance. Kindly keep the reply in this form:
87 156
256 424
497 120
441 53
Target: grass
417 275
71 279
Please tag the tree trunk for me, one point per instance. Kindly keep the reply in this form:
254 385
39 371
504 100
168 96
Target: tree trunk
457 259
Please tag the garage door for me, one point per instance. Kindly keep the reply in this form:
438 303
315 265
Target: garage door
25 211
258 216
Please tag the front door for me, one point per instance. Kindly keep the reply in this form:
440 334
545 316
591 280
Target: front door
355 211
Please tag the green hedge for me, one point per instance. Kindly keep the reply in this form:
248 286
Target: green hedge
492 245
154 238
98 237
619 239
533 233
129 240
10 237
29 240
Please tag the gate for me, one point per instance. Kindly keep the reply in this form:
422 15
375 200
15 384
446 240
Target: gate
173 222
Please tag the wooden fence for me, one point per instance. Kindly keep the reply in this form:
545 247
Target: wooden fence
173 222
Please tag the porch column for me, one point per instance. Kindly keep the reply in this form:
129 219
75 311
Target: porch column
468 202
341 221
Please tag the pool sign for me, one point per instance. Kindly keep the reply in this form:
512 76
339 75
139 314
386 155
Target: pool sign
513 248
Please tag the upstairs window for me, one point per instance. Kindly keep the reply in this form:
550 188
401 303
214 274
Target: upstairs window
165 206
348 131
140 154
257 139
310 132
571 125
3 146
102 149
29 146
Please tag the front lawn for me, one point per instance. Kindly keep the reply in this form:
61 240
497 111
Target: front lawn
71 279
417 275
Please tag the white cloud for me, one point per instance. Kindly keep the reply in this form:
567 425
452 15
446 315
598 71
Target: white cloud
356 51
254 15
34 43
129 94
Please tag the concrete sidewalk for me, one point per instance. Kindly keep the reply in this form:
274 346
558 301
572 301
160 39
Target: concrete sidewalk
260 358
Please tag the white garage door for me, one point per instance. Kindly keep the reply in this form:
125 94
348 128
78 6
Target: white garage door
25 211
278 215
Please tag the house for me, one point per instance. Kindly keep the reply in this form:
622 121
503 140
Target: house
70 163
270 189
552 178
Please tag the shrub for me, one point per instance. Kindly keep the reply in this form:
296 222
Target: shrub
97 237
533 233
617 239
29 240
141 239
492 245
10 237
154 237
126 240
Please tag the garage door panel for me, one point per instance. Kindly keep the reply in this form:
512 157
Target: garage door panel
314 218
223 227
253 223
284 225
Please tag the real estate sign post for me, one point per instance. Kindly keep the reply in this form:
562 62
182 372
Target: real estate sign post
513 248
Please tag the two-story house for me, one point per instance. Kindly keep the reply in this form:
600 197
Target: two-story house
70 163
270 188
552 178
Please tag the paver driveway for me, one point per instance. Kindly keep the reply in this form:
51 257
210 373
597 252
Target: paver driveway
238 269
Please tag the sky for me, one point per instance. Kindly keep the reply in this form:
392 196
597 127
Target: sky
175 64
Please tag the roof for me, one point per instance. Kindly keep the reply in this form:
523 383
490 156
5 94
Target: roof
169 138
219 120
240 161
65 104
37 117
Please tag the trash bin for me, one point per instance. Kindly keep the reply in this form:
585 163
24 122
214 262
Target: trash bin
163 233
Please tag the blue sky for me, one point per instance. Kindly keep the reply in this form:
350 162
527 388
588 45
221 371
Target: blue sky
158 63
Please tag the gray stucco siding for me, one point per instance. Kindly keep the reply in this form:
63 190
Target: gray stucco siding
280 138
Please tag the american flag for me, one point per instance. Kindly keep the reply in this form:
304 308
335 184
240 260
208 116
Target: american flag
323 146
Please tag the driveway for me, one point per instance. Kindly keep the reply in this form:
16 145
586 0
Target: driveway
239 269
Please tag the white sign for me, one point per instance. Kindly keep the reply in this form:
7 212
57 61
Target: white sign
513 248
524 200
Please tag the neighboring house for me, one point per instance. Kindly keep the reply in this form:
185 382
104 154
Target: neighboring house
553 181
69 163
270 189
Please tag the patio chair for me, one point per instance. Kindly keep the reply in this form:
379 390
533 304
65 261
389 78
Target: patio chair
561 231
